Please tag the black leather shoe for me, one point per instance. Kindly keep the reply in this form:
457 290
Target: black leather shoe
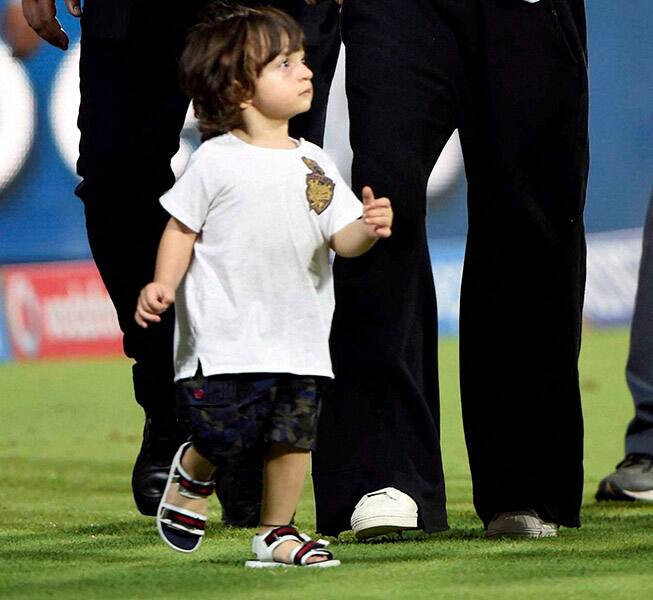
160 442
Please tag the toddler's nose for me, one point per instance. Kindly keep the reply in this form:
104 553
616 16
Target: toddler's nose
306 73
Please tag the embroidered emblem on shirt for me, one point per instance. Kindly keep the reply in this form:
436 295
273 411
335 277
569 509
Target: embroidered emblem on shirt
319 188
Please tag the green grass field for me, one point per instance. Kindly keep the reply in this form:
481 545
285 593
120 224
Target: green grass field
68 529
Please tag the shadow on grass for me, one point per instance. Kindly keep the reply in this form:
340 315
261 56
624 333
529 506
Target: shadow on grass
617 510
454 533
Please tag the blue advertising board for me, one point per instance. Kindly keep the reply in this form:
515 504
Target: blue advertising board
41 219
5 349
612 270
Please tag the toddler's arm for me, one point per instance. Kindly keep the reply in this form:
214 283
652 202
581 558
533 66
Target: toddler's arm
172 260
358 237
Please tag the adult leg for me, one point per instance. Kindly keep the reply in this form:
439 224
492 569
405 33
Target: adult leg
321 25
131 113
130 116
526 151
639 371
379 425
633 479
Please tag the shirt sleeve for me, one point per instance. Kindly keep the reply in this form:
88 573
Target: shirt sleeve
345 208
190 198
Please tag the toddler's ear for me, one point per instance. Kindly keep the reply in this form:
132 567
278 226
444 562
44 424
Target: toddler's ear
245 102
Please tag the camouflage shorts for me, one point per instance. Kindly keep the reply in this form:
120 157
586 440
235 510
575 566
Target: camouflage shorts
228 415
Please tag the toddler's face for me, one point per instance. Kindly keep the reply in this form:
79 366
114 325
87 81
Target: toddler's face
284 88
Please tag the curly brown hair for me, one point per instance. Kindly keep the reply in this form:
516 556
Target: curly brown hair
224 55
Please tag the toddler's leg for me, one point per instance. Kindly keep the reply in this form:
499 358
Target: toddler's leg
199 469
283 479
223 415
291 436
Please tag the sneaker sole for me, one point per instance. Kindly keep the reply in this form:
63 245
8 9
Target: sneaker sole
608 491
522 533
381 525
528 533
646 496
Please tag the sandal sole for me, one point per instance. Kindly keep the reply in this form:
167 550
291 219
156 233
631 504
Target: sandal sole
262 564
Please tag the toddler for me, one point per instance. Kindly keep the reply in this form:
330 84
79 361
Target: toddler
245 258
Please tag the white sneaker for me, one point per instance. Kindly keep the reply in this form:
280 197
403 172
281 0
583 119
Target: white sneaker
384 511
520 524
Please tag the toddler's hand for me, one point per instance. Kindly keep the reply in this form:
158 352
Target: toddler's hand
152 301
377 215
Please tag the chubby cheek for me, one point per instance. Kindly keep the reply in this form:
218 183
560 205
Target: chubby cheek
276 103
272 106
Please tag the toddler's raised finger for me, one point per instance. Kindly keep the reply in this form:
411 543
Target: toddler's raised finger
378 212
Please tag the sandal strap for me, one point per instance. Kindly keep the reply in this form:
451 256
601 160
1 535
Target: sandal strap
308 549
281 534
189 487
185 520
264 545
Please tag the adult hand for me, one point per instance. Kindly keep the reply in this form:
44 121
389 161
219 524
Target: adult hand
41 15
18 35
377 214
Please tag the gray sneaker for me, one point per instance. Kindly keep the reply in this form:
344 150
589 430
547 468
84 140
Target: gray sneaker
633 480
520 524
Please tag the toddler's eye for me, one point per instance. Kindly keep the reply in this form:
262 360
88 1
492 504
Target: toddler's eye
285 64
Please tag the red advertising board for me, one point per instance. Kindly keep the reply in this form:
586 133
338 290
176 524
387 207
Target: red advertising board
59 309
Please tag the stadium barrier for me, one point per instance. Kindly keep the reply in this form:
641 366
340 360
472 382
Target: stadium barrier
55 310
62 309
612 268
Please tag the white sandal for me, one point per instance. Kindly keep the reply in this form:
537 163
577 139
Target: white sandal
180 528
264 544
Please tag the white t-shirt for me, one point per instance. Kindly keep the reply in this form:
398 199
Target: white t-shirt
258 295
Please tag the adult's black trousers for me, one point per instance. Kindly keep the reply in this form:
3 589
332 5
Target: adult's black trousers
512 77
131 114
